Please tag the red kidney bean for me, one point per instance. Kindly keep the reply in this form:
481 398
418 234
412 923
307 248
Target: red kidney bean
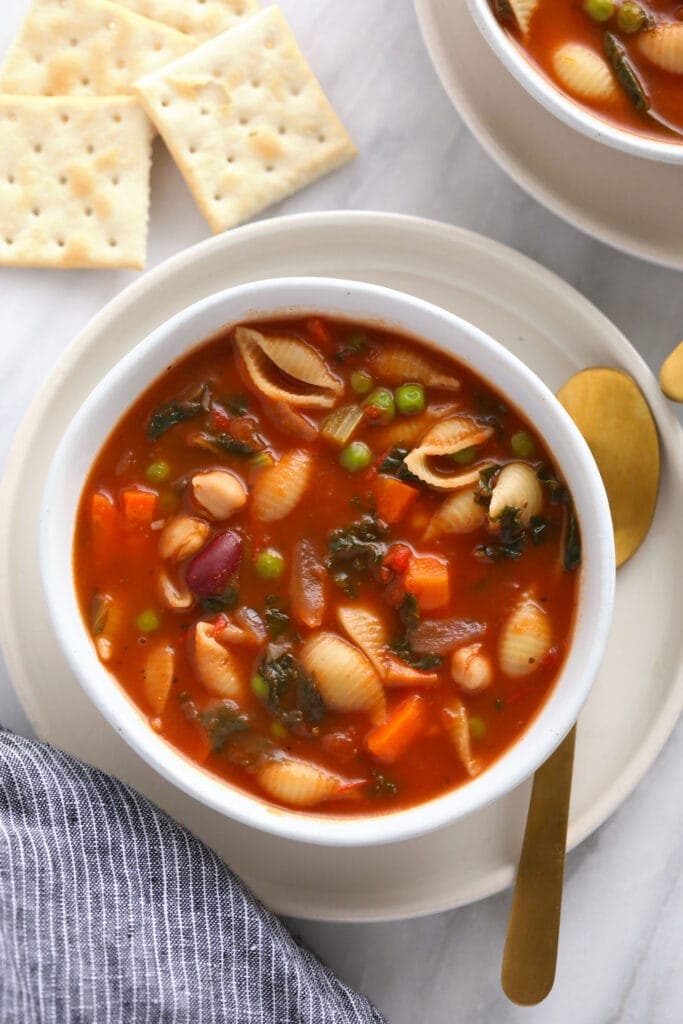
211 571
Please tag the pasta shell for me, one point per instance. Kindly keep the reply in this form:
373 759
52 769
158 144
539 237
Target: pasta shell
174 595
214 664
517 486
663 46
454 435
523 11
158 677
448 438
471 669
395 364
367 631
398 673
309 380
458 513
219 493
456 722
183 537
279 489
525 638
346 679
584 73
301 784
404 432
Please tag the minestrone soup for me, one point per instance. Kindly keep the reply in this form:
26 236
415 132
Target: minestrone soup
620 58
331 565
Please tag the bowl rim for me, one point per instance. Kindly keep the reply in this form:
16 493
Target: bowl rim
550 96
292 296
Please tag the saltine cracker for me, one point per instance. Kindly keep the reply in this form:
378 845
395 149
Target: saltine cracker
201 20
86 48
74 181
245 120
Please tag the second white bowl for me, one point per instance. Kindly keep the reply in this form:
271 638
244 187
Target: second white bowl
558 103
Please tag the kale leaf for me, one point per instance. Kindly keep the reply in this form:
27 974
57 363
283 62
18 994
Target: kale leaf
293 698
409 614
485 485
409 611
510 540
355 552
222 722
277 619
169 414
572 544
559 495
401 647
394 465
228 443
225 602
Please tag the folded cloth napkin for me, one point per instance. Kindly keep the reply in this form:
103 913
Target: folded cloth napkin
111 912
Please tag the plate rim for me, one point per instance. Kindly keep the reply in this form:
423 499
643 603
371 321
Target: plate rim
515 168
669 711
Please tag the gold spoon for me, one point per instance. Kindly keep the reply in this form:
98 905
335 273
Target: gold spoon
611 413
671 375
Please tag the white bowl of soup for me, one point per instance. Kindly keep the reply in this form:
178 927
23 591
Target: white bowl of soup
612 69
344 571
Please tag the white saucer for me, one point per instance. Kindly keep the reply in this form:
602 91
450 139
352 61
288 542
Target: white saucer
631 203
639 693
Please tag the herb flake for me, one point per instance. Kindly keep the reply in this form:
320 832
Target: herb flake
382 785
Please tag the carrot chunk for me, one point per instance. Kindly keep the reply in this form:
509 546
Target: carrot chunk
393 498
318 332
106 530
139 507
427 578
388 741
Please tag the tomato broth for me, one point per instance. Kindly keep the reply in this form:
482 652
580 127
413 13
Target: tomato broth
646 49
353 606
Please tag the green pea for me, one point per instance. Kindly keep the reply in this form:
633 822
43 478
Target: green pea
270 564
466 456
278 731
260 687
382 400
355 457
148 621
410 399
631 17
477 728
157 472
522 444
361 382
599 10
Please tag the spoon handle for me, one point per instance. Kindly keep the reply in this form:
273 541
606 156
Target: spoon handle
530 954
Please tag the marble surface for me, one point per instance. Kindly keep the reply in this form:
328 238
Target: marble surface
621 955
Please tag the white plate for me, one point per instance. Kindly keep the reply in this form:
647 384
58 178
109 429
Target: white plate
639 692
631 203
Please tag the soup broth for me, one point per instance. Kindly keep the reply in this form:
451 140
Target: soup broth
620 59
330 564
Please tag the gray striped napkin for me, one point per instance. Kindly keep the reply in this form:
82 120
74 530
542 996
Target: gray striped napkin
111 912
